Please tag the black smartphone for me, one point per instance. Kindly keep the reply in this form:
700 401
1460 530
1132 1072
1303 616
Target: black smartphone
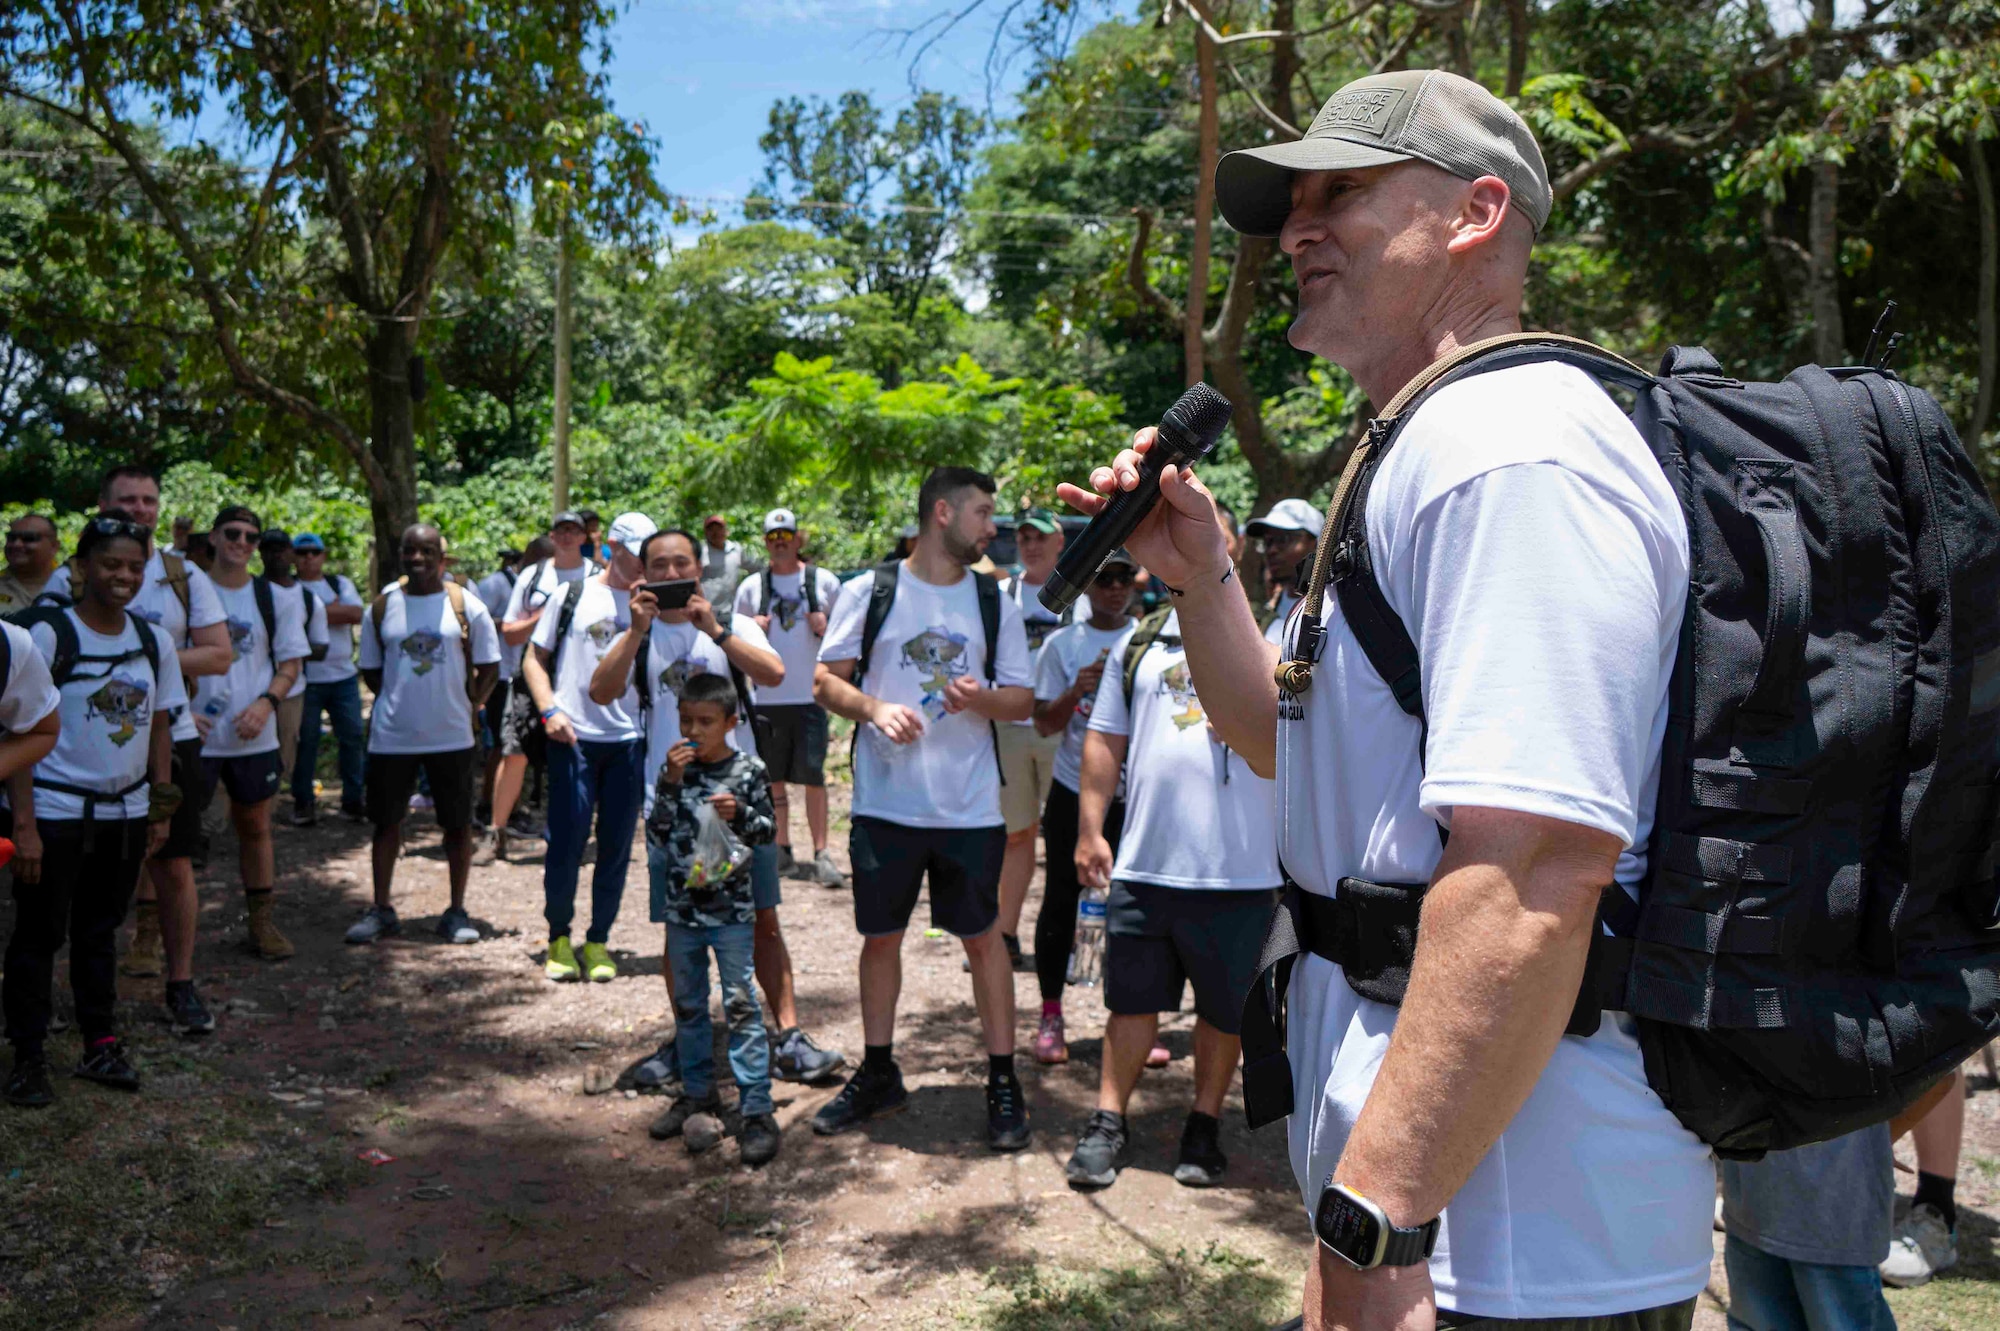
672 595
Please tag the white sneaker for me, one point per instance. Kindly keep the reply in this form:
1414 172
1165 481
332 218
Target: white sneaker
1922 1247
826 871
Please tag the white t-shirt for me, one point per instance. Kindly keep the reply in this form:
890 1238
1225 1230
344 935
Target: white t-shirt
495 590
1529 541
158 603
249 676
790 635
28 694
1196 816
601 615
338 664
422 706
1036 621
530 594
675 652
1064 655
107 719
317 635
950 777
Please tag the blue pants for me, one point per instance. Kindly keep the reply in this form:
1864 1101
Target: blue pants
1768 1293
694 1037
341 702
608 779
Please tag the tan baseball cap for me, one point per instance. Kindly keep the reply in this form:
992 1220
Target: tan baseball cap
1428 115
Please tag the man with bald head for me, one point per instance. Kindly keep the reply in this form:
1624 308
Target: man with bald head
430 654
1464 1161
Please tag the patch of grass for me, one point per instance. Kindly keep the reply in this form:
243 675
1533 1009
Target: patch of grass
102 1188
1217 1289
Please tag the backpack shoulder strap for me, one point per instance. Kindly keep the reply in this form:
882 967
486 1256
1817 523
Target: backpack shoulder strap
68 646
533 577
808 585
764 606
1136 647
176 572
881 600
456 595
267 610
571 595
988 590
149 646
642 670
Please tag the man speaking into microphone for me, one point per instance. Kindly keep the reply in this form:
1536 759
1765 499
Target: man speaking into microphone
1494 1171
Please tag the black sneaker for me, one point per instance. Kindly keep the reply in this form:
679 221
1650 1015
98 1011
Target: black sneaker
1102 1150
304 815
669 1122
866 1094
794 1057
1006 1114
1202 1163
28 1084
185 1010
105 1063
757 1143
354 813
658 1073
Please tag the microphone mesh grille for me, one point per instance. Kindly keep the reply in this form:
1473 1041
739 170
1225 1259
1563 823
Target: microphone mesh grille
1202 413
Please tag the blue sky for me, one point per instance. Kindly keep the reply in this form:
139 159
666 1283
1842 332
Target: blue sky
703 73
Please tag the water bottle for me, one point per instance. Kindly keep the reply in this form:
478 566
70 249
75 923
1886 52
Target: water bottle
1086 955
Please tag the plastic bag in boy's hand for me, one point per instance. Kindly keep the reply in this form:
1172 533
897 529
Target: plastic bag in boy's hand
717 854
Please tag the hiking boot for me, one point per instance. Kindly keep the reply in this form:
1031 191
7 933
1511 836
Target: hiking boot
561 964
1050 1044
455 926
520 824
265 940
185 1011
757 1142
376 922
1006 1114
28 1085
105 1063
672 1121
866 1094
147 956
1101 1151
794 1057
1922 1247
704 1132
658 1073
1202 1163
598 967
304 814
788 865
491 847
826 871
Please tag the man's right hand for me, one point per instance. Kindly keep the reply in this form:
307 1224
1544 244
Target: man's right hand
1087 680
643 606
558 728
27 861
1093 860
1181 541
899 723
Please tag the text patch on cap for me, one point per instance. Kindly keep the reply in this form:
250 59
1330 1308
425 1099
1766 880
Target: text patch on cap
1364 111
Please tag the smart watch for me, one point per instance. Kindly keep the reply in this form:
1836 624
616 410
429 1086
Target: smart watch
270 698
724 636
1359 1233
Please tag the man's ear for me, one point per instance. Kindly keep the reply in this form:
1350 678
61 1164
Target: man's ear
1483 212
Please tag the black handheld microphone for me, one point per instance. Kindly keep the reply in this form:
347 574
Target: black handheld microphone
1187 434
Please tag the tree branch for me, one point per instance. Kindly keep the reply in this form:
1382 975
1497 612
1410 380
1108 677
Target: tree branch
1270 117
1660 138
1135 273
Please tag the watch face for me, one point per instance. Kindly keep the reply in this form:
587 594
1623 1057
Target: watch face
1349 1228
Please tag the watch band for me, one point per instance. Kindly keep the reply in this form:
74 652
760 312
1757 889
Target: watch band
1407 1247
1361 1234
724 636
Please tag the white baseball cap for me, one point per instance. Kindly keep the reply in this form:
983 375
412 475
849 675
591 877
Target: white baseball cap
1287 515
631 531
780 519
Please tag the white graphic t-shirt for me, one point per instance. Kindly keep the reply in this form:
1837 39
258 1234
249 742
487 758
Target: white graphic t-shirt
495 590
338 663
422 706
601 615
1532 546
1196 816
536 586
950 777
317 633
1036 621
675 653
223 697
1063 658
107 719
159 603
790 633
28 694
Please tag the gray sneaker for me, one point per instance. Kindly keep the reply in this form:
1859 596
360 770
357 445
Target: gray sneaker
1923 1247
455 926
379 922
788 864
826 871
794 1057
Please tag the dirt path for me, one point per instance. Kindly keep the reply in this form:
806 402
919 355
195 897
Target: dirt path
230 1195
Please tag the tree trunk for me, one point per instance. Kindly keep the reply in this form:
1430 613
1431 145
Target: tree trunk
1192 350
561 430
1823 265
392 442
1517 46
1989 279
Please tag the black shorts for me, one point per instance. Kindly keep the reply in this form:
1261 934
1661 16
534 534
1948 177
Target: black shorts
184 831
791 739
249 778
1159 939
890 861
521 725
392 779
493 714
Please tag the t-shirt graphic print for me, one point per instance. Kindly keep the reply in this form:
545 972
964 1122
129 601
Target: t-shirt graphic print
1175 684
938 656
423 649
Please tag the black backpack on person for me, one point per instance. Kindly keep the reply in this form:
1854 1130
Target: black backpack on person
63 666
1817 940
882 599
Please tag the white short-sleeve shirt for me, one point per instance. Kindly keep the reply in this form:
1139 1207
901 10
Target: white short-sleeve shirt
790 633
1063 658
601 616
537 585
223 697
338 663
108 705
422 706
159 603
27 694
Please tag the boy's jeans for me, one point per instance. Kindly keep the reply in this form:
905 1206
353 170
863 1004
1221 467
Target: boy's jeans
1769 1293
749 1049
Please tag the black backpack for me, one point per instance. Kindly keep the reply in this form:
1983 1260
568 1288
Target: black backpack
69 656
882 599
1815 943
808 588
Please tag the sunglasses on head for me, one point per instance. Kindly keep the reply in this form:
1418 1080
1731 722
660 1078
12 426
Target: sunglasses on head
242 535
110 526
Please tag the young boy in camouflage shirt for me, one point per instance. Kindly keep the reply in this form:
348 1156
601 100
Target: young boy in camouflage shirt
708 908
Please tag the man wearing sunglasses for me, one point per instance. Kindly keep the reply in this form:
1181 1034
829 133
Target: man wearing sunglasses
31 560
237 711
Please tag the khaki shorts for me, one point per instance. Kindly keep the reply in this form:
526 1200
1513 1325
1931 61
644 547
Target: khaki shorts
1028 762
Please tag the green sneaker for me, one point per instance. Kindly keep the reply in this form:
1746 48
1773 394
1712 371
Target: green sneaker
598 965
561 964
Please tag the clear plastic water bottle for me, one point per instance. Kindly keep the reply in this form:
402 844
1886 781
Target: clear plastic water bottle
1086 956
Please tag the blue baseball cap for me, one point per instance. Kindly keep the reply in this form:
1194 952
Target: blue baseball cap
305 540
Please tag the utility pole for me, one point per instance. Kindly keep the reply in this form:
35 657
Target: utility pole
1195 325
563 283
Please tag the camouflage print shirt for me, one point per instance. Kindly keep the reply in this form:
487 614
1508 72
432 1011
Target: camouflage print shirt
672 827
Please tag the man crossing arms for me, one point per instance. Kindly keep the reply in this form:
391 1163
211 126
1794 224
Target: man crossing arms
274 548
333 688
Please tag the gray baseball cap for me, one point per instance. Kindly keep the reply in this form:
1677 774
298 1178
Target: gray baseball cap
1427 115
